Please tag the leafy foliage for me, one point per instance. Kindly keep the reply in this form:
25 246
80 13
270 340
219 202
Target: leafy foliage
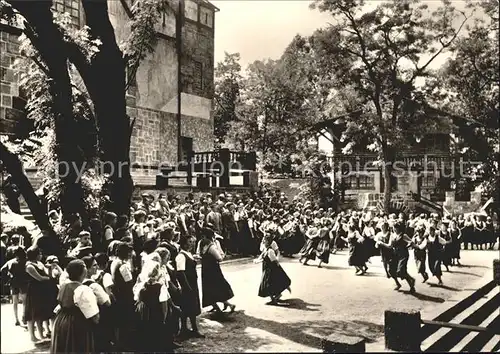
275 94
470 83
228 84
142 39
379 54
87 51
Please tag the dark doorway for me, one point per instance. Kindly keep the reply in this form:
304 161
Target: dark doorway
186 147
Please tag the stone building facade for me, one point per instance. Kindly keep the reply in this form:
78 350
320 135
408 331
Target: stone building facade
181 68
423 176
11 104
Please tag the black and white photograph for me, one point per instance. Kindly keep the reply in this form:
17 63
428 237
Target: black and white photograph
233 176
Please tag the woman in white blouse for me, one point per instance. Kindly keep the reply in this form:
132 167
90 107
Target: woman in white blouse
151 310
78 313
274 279
103 335
214 286
188 280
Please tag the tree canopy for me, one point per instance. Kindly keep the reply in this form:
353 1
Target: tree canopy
81 123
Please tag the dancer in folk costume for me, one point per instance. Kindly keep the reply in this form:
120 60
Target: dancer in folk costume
151 310
323 248
214 286
468 232
490 237
456 239
356 254
274 279
420 252
188 280
308 252
399 243
298 231
74 326
123 306
447 249
369 240
435 246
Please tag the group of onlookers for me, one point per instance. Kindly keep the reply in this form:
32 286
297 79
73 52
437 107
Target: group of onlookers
129 282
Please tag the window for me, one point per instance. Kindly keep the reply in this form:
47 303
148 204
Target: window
359 182
198 76
131 79
366 182
350 182
206 17
428 181
191 10
72 7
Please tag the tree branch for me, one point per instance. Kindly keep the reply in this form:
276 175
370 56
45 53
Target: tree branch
419 71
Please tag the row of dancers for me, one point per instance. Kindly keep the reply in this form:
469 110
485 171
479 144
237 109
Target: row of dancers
435 242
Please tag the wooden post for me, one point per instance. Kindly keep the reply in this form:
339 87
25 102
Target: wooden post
338 343
224 159
246 179
402 331
190 167
496 271
252 161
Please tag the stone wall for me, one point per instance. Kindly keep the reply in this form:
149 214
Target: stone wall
154 138
11 104
198 47
201 130
462 207
152 101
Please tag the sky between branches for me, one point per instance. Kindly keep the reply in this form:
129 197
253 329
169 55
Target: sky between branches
259 29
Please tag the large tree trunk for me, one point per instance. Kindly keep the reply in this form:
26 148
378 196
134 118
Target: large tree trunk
15 169
49 42
387 186
110 104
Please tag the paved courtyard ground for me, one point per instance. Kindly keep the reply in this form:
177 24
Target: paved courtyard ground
331 300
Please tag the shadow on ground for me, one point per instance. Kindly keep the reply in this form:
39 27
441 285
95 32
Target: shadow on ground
442 286
43 347
424 297
240 332
465 273
297 304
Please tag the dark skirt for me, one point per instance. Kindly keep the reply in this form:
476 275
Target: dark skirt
190 301
455 249
214 286
420 257
369 248
402 265
467 235
72 333
447 254
309 250
50 291
323 250
387 256
35 307
434 260
104 331
151 331
356 255
296 242
274 280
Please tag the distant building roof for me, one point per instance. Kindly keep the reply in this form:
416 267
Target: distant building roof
209 4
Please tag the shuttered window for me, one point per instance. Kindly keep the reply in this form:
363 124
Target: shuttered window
198 76
72 7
